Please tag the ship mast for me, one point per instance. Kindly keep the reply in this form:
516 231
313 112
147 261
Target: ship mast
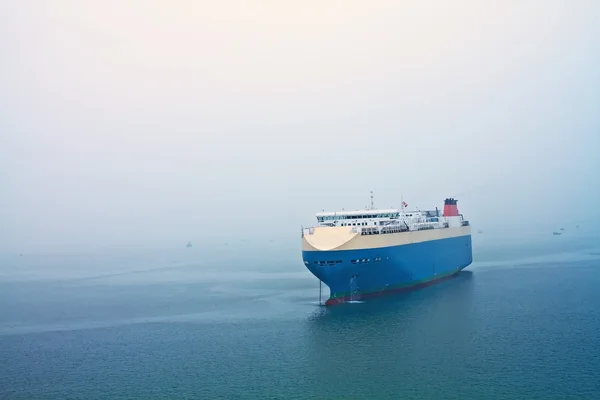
402 202
372 200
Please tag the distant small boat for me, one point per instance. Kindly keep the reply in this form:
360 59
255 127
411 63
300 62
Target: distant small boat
576 226
557 233
479 231
189 244
562 229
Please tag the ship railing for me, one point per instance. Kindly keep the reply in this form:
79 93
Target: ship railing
382 230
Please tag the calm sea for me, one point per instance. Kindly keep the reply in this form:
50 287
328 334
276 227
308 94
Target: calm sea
243 322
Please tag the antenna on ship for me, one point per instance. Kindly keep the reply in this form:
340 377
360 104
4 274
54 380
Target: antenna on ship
372 200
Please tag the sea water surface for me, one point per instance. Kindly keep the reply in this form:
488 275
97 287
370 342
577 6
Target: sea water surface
244 322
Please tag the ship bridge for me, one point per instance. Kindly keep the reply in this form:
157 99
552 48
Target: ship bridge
358 214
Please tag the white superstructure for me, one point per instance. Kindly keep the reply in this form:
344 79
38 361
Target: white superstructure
376 228
382 221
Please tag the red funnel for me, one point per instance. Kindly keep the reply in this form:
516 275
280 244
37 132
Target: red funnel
450 208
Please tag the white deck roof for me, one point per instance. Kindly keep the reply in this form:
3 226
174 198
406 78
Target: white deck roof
357 212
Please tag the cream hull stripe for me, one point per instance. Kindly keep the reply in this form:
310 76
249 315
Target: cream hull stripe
342 238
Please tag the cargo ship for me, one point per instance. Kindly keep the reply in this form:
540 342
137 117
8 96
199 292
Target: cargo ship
372 252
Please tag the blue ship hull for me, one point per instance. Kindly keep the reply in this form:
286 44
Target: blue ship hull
359 274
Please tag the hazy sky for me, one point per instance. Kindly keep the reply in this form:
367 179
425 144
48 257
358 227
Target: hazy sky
150 123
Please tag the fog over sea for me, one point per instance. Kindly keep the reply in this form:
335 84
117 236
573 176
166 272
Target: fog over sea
128 128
